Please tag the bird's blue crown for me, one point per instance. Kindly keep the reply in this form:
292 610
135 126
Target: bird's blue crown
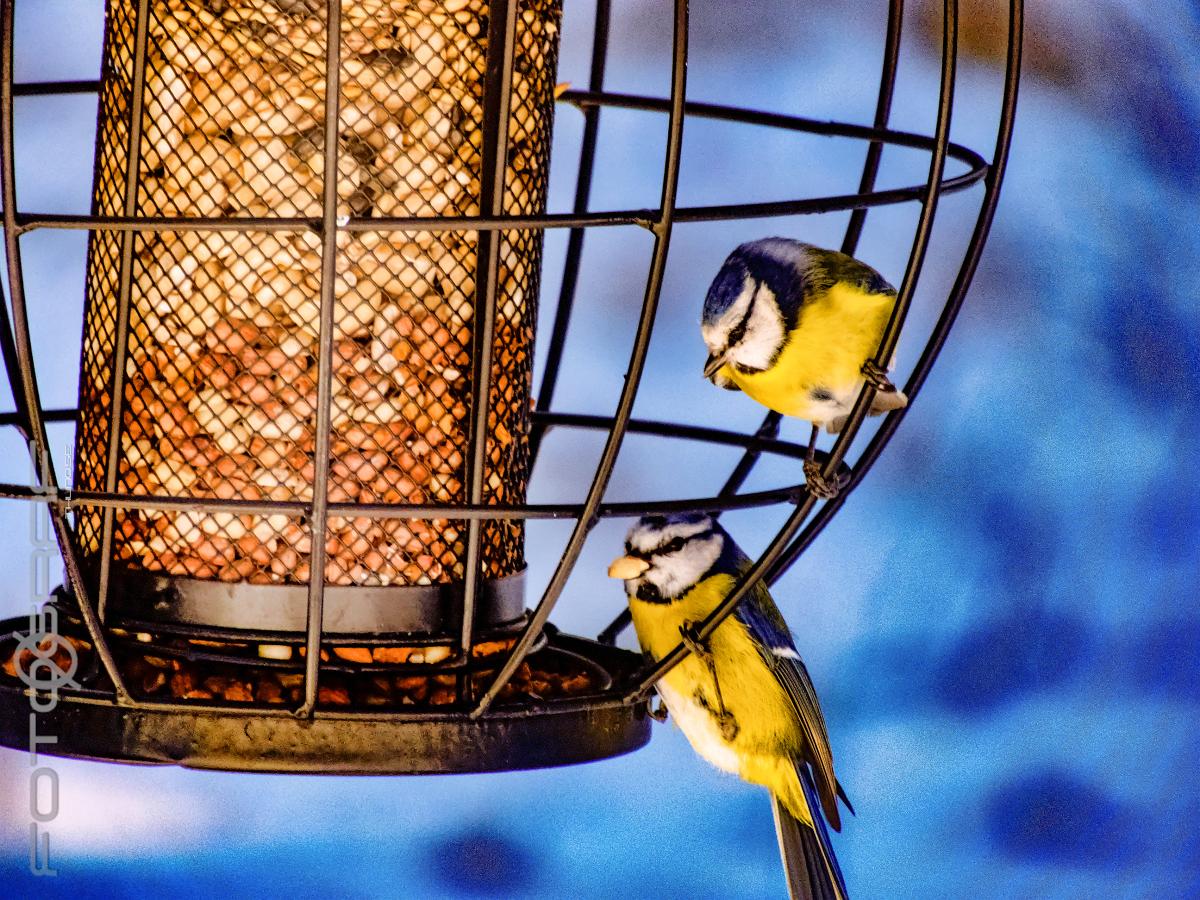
725 289
782 264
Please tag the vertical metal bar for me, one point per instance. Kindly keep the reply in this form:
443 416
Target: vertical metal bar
770 424
497 102
319 522
883 110
133 158
17 344
583 191
633 375
916 258
983 224
937 166
646 680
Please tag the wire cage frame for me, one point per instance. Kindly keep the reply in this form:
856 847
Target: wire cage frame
481 731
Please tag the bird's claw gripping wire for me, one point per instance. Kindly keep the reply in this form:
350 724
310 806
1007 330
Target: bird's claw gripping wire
691 640
728 725
877 377
658 710
725 719
818 485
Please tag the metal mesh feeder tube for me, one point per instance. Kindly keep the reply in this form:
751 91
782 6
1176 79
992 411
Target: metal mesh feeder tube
201 348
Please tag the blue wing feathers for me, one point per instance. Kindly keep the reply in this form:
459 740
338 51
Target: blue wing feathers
770 630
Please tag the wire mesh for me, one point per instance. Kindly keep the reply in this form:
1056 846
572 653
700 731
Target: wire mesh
219 364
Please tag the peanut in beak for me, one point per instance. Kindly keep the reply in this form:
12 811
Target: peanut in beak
626 567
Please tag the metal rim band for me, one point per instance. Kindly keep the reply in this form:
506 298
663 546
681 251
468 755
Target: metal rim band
426 609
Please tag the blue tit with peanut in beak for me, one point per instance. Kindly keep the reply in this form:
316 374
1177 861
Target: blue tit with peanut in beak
743 698
796 328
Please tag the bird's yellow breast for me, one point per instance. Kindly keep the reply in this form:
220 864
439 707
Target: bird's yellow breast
836 334
765 717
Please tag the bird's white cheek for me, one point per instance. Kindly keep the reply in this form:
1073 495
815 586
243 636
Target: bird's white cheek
765 333
712 338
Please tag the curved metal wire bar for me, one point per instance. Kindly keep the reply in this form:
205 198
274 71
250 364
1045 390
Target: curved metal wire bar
643 682
645 218
583 192
983 224
633 374
771 421
8 351
615 510
883 111
55 88
547 420
858 216
789 493
319 520
17 348
575 703
497 104
788 122
14 419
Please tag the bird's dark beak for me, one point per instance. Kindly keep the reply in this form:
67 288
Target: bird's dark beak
712 365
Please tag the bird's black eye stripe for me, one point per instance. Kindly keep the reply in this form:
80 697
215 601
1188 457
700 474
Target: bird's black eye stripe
673 546
739 331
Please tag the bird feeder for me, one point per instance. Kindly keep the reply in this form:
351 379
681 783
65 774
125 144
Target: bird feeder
294 533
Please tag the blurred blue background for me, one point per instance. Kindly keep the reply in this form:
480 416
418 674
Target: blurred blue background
998 622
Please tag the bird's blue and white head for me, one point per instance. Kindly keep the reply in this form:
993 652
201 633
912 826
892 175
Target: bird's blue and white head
746 312
665 556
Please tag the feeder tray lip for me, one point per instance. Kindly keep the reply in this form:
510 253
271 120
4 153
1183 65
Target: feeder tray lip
155 599
528 735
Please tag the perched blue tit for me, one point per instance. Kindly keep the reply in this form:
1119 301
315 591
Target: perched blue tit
743 697
796 328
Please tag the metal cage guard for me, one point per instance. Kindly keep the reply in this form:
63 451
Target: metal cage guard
798 532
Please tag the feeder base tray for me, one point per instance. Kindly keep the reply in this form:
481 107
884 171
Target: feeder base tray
87 724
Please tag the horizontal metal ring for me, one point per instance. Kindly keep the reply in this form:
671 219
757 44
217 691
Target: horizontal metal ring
647 218
68 500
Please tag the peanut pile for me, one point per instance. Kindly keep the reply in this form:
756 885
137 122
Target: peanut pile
541 677
220 370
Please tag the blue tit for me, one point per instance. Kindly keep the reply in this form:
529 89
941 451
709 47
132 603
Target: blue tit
796 328
743 698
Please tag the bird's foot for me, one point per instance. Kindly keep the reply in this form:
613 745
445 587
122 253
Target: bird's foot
691 640
877 377
658 711
728 725
818 485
